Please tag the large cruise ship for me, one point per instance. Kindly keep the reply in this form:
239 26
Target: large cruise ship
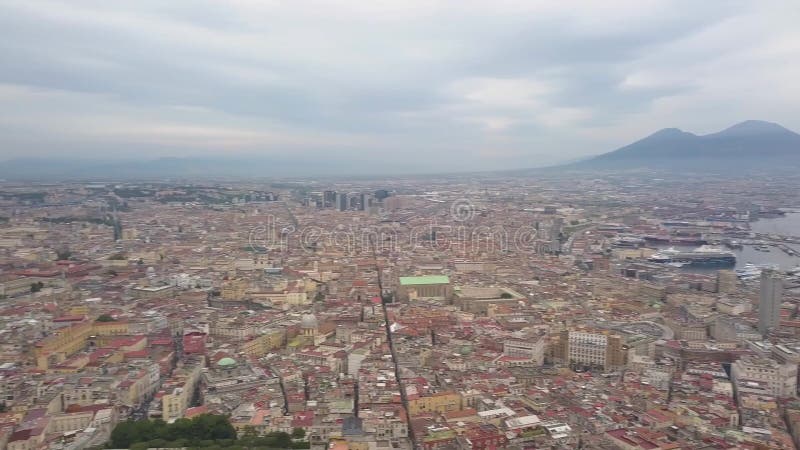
702 256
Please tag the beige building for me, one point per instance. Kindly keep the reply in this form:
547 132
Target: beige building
592 349
687 330
236 329
531 349
779 379
727 281
479 300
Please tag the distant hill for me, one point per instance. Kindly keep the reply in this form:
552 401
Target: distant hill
752 144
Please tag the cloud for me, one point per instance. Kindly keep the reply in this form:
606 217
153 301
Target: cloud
467 85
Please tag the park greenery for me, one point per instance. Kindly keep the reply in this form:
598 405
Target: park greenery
207 431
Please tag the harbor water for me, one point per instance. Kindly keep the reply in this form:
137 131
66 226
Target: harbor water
788 225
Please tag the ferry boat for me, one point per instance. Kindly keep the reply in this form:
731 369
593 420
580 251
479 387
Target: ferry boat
701 256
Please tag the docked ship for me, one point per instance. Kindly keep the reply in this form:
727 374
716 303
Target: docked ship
702 256
665 239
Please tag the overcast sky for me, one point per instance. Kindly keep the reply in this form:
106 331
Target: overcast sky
459 84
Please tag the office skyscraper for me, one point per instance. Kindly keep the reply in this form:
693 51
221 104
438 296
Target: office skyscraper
342 202
555 234
328 199
769 302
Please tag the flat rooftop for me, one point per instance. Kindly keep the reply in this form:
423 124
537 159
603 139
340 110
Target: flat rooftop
425 279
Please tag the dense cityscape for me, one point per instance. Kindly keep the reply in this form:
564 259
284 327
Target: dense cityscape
399 225
611 311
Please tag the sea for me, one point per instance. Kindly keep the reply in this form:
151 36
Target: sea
787 225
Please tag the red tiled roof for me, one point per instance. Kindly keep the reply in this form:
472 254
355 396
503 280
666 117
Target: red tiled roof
196 411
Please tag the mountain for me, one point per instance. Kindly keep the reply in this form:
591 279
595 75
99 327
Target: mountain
752 144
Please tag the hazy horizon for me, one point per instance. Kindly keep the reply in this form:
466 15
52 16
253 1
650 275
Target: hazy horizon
400 85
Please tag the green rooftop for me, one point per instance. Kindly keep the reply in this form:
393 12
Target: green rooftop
226 362
439 435
426 279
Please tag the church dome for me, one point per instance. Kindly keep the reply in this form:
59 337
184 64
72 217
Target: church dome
309 321
226 362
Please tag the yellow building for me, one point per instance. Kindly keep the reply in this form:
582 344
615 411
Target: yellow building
82 310
233 290
64 343
174 404
441 403
115 328
129 392
179 390
263 344
67 341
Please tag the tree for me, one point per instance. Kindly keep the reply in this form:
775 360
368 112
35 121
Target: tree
249 431
283 440
205 430
298 433
181 428
222 429
211 426
36 287
506 295
124 434
106 318
157 443
63 254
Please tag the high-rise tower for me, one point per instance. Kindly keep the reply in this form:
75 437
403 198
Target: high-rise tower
769 302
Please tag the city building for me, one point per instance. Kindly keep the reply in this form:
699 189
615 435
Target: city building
426 286
592 349
770 300
778 379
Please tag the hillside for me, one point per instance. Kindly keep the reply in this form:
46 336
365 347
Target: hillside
750 144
